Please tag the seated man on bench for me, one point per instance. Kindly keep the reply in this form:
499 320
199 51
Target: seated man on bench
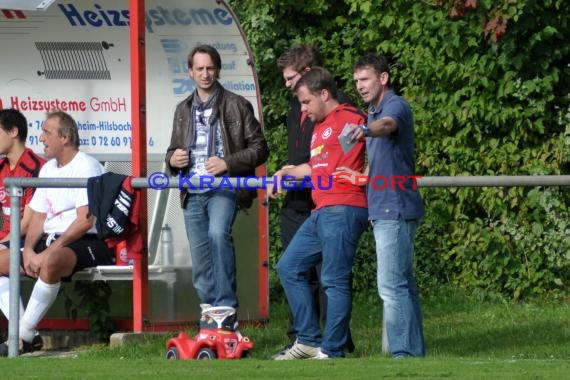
61 238
18 161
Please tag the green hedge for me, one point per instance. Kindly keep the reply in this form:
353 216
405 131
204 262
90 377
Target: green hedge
489 85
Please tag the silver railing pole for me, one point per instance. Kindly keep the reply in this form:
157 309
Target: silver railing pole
16 184
494 181
438 181
14 317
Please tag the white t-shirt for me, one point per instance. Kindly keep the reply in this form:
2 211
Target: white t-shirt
59 204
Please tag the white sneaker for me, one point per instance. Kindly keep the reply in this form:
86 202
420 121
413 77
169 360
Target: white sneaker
321 355
283 351
204 306
298 351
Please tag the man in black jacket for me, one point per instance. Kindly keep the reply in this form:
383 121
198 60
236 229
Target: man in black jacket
298 203
214 133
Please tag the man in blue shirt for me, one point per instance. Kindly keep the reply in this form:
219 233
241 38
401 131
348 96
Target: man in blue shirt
394 204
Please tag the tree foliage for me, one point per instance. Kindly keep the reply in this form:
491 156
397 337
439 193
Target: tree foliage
489 83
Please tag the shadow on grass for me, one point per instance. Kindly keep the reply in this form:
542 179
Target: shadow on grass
529 341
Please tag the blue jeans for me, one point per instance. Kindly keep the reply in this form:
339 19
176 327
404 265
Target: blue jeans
209 218
330 235
397 286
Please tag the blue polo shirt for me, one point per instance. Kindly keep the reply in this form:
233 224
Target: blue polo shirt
391 161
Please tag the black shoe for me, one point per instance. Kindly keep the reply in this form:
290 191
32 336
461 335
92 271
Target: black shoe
36 345
350 346
25 347
230 323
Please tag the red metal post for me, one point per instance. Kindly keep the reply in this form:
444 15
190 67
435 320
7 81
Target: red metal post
263 241
139 169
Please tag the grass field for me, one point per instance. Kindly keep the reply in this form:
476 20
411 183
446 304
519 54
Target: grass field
467 338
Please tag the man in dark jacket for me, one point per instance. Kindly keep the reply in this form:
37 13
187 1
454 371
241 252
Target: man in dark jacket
214 133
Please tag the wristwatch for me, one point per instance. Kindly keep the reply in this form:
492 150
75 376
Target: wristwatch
364 128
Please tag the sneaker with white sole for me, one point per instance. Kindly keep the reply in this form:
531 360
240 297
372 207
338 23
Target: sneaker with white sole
283 351
321 355
298 351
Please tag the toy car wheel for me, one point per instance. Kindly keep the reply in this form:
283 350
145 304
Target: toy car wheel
246 354
172 354
206 354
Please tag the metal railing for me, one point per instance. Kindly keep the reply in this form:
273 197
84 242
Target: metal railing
15 186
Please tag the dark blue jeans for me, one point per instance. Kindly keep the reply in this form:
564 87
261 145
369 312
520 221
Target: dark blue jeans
330 235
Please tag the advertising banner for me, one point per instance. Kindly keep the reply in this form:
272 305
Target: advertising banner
75 57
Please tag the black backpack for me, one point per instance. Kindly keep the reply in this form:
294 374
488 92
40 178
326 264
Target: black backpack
111 203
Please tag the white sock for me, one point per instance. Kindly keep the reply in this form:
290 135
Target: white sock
43 296
5 297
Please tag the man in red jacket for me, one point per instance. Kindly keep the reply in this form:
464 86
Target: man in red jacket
18 161
330 235
298 203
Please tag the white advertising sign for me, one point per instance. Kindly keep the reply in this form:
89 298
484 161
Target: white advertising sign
75 57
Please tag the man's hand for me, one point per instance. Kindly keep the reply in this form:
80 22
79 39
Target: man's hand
32 262
348 174
356 133
275 190
179 159
216 165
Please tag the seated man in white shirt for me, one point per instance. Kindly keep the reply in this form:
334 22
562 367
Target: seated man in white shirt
61 238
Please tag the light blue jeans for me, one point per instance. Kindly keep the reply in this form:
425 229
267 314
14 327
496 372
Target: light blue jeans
397 286
209 218
330 235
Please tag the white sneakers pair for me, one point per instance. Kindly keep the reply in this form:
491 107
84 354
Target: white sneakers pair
301 351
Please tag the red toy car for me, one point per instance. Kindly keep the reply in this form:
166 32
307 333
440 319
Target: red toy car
210 343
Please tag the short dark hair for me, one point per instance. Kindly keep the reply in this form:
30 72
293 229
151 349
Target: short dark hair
378 63
12 118
300 57
206 49
67 127
316 80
